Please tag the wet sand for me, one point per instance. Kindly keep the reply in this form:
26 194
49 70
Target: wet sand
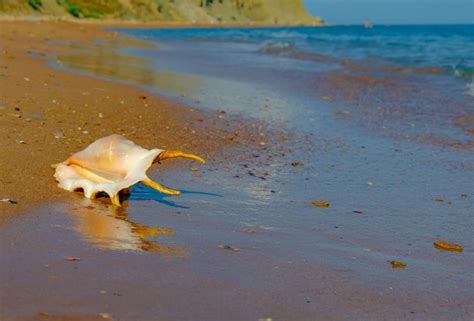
215 253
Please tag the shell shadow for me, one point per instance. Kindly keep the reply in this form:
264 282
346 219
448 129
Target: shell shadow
140 192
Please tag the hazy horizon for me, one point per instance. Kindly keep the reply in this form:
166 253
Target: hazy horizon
393 11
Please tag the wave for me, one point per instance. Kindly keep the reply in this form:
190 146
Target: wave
470 88
289 50
462 71
292 50
276 47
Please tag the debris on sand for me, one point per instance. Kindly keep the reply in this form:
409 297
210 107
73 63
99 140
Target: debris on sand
251 230
446 246
72 259
229 248
297 164
320 203
398 265
8 200
105 316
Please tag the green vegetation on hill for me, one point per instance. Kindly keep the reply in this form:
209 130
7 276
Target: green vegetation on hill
196 11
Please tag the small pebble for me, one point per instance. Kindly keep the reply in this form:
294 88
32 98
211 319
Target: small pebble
59 134
251 230
296 164
397 265
8 200
320 203
38 116
72 259
230 248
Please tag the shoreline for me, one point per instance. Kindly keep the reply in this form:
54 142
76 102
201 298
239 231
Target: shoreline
46 114
148 24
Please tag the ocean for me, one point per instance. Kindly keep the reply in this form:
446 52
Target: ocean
384 68
443 48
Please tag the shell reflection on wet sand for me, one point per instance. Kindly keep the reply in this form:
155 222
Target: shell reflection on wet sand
109 228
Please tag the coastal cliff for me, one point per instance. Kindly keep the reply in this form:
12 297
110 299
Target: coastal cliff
283 12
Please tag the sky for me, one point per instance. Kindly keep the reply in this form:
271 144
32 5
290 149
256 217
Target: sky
393 11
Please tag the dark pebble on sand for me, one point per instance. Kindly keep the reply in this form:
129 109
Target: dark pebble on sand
229 248
296 164
8 200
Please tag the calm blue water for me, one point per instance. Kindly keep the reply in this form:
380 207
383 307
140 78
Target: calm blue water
414 82
450 47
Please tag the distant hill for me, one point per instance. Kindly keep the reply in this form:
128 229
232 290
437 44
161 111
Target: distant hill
194 11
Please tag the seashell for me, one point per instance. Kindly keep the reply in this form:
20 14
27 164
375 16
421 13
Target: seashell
112 164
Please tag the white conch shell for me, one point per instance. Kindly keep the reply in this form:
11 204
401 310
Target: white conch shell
111 164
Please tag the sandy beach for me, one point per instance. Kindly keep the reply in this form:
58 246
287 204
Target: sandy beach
248 239
46 115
